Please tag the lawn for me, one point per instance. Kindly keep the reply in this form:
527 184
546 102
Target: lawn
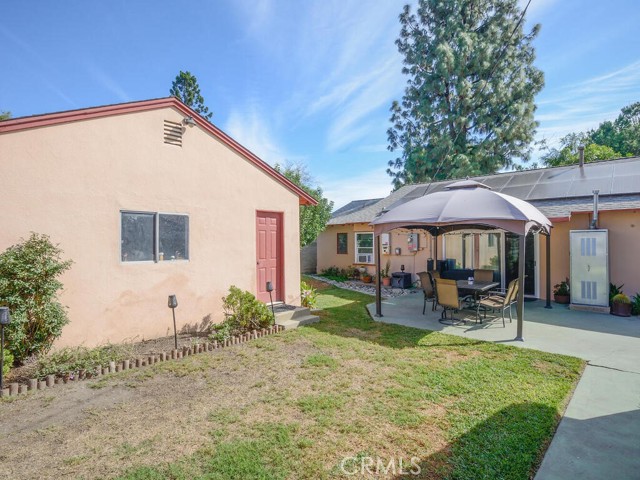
342 396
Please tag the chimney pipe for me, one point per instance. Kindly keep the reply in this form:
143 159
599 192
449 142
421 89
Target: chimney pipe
594 221
581 155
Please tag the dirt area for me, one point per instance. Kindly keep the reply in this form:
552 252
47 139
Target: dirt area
138 349
98 428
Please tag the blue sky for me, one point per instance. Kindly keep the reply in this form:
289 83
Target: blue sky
303 81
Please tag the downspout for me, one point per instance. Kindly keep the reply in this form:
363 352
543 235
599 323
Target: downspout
594 221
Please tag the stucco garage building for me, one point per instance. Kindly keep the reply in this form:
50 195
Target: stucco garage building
148 199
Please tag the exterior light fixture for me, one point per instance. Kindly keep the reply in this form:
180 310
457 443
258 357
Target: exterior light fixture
402 268
172 304
189 121
270 289
5 319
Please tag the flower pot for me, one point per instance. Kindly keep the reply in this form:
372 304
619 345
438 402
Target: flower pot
386 281
366 279
563 299
621 309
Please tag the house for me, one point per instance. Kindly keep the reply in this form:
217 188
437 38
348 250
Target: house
564 194
148 199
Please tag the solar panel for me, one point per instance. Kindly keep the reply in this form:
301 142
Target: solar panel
549 190
528 178
519 191
626 168
628 184
585 187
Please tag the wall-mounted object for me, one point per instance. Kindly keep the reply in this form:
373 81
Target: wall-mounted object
413 242
398 251
385 242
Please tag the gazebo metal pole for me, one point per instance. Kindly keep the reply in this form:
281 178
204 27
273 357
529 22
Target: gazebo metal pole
548 305
435 241
378 281
520 308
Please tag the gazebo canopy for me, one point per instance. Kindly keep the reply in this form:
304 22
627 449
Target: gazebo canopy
466 205
463 205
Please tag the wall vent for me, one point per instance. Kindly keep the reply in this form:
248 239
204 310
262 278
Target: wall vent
173 133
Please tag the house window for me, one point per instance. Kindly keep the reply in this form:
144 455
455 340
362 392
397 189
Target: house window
475 250
364 247
342 243
153 237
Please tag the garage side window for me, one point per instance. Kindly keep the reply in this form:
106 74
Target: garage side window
137 237
174 237
153 237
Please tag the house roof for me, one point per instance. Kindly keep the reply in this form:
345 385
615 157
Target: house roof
49 119
354 206
556 191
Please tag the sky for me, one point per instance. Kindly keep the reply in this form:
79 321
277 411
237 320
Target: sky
308 82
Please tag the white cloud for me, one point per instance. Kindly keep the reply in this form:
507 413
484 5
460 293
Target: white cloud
252 131
108 83
341 190
584 105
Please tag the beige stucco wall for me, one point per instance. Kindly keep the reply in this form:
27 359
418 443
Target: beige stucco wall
71 181
624 245
413 262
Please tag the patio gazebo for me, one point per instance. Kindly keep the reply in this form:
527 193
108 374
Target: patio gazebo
467 205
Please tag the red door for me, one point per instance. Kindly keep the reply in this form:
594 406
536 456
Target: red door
269 255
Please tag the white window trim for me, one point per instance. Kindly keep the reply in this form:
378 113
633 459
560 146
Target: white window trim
355 248
156 237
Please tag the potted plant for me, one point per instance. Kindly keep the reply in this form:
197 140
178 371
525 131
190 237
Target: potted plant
621 305
386 279
561 292
365 276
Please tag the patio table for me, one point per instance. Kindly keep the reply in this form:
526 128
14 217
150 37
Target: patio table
473 290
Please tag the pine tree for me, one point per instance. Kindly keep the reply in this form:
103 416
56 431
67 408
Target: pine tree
468 106
185 87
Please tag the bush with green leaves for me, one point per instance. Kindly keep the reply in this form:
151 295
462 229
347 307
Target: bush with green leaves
29 286
308 295
635 304
243 312
73 359
335 273
7 361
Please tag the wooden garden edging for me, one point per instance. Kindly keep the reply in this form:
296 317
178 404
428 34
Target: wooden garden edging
51 380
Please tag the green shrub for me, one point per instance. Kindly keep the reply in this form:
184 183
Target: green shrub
29 286
620 298
635 304
7 361
243 313
72 359
335 273
308 295
613 291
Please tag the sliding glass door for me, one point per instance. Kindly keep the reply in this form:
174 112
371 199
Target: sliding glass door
511 261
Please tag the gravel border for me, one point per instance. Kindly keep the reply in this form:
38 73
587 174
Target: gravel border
387 292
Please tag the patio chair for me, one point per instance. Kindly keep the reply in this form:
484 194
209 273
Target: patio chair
498 301
448 298
483 275
429 292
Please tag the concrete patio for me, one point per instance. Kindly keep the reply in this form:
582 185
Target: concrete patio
599 435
